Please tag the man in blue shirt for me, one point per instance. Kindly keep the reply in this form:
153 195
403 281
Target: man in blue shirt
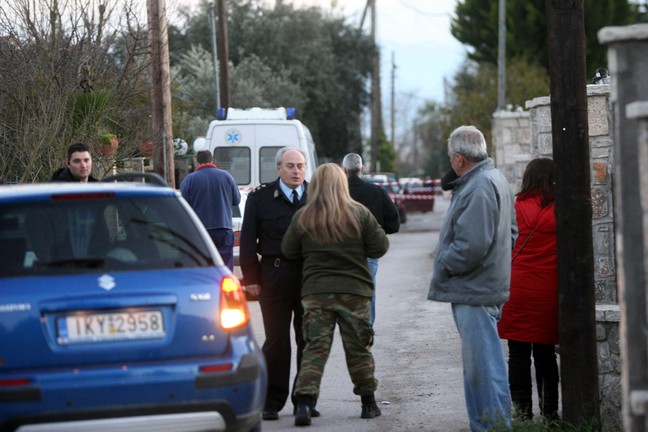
212 192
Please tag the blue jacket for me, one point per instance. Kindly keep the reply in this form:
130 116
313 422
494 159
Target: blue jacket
211 192
473 256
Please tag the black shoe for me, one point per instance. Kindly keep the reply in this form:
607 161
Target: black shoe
312 410
370 411
270 414
369 407
302 413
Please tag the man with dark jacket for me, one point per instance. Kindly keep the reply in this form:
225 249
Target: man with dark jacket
79 165
212 192
376 199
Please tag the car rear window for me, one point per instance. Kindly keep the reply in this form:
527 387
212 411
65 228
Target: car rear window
103 233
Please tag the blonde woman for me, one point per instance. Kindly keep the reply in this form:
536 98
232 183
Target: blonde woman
334 235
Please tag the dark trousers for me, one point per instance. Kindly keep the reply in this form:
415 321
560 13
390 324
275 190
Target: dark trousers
223 239
280 302
547 379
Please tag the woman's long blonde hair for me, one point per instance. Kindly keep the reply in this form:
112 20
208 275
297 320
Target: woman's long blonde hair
329 213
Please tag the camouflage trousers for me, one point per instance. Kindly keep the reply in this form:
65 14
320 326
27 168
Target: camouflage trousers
352 314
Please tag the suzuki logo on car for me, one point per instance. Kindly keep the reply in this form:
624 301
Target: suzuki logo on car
107 282
15 307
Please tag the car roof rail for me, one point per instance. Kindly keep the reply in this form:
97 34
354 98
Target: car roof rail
146 177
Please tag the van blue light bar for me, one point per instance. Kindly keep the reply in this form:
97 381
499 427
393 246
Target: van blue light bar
221 113
290 113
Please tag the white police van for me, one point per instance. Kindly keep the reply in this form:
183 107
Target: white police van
244 142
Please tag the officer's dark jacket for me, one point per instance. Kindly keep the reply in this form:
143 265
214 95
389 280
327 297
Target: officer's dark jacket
268 213
376 199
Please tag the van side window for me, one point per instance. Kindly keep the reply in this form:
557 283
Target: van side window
267 164
235 160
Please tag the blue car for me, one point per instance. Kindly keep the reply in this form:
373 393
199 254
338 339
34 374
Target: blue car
117 313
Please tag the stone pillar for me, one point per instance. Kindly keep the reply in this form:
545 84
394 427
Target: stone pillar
540 113
512 144
628 65
601 131
638 396
601 161
601 151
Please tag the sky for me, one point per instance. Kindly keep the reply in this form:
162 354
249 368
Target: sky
415 33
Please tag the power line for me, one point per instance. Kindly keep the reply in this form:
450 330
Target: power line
421 12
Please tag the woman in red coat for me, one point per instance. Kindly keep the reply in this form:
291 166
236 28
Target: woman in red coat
530 317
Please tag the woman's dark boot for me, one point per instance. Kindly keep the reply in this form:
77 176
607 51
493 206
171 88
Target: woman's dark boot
369 407
522 404
549 402
302 410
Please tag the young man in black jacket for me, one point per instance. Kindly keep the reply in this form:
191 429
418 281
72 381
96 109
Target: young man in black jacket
79 165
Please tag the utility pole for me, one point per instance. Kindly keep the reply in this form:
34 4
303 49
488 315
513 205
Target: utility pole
376 103
158 42
501 57
576 301
393 100
376 122
212 25
223 54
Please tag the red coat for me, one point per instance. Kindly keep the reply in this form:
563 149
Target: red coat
531 314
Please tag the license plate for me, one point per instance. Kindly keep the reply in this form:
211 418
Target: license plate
102 327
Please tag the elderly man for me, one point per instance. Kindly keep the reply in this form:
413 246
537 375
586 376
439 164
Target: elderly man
472 271
275 279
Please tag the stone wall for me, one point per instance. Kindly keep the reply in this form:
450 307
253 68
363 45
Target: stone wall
601 156
609 361
514 147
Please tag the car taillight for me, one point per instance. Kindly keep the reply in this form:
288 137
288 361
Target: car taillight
237 238
217 368
233 311
14 382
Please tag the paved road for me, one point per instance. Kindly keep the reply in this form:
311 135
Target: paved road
416 349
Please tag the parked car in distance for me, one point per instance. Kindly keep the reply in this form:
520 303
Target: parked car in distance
389 182
117 313
417 196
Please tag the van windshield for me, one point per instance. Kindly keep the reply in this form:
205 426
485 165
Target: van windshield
267 164
235 160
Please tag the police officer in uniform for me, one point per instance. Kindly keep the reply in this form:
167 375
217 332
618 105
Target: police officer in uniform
275 279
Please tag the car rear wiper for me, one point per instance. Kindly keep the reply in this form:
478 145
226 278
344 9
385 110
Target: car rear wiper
164 234
90 263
